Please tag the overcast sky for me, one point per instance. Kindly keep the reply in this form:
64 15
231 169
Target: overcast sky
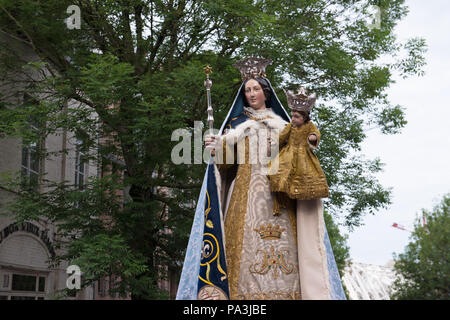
417 160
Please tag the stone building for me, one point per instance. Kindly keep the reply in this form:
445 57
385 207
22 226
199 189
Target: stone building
25 248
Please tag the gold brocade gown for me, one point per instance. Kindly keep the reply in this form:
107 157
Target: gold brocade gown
261 249
299 173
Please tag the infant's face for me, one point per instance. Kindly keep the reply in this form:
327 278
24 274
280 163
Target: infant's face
297 119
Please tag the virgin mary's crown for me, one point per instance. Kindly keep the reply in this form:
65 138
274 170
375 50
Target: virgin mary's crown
252 67
300 101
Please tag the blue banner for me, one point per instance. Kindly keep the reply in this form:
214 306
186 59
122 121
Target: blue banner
212 278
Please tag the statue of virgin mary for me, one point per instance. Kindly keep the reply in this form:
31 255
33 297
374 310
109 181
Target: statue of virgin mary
238 248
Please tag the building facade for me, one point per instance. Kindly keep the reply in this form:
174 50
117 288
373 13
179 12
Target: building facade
26 247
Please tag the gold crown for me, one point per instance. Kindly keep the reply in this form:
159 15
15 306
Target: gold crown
300 101
252 67
269 231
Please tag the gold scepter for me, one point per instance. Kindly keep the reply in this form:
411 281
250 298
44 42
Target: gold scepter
208 84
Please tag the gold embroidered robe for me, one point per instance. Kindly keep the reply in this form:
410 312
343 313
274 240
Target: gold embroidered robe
299 173
261 249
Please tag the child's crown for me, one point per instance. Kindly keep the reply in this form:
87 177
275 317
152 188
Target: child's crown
300 101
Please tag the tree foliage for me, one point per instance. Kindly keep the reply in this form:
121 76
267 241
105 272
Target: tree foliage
145 58
424 268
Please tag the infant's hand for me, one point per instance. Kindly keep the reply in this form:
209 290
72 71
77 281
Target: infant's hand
312 138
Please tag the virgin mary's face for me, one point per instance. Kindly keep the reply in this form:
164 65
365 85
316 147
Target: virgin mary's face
255 95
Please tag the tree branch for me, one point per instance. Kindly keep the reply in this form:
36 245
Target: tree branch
21 27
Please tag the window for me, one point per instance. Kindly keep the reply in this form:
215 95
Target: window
80 164
30 283
6 281
41 286
102 287
30 166
23 286
22 298
23 283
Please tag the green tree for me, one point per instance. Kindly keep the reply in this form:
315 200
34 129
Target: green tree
424 268
146 58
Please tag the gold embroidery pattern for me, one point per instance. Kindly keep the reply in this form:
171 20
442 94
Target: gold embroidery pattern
208 223
211 292
281 200
292 213
272 261
235 222
210 246
211 253
271 295
269 232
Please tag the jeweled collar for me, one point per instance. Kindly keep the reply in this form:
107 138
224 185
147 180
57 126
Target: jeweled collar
258 114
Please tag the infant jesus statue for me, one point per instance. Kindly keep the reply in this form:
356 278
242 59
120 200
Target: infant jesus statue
299 175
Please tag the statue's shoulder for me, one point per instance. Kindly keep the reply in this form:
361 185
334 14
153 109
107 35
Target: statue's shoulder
312 126
234 122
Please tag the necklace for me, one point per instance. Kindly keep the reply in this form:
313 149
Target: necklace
258 114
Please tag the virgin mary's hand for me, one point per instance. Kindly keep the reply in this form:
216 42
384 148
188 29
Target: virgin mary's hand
211 142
